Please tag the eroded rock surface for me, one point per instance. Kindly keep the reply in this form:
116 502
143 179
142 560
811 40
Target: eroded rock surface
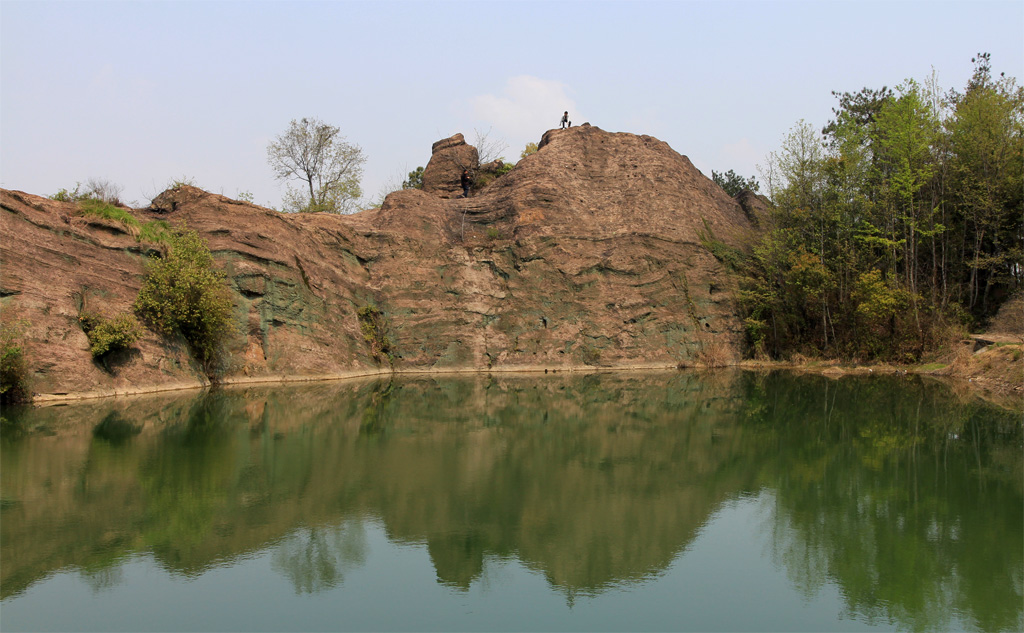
587 253
443 173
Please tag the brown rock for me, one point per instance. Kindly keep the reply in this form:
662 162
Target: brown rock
170 200
586 253
755 206
449 156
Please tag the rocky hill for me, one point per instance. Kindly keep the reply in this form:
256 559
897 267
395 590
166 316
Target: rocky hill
587 253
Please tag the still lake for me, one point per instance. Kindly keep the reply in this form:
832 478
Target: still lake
652 501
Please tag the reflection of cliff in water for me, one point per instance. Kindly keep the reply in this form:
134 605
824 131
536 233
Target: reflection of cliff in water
593 480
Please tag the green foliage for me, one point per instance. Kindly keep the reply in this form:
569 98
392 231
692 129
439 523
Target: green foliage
531 148
107 211
881 310
13 368
733 183
154 232
183 294
246 196
493 233
484 177
894 229
415 179
109 335
376 327
64 195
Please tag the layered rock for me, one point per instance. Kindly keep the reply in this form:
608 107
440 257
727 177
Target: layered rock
587 253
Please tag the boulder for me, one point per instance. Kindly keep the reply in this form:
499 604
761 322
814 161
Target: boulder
443 173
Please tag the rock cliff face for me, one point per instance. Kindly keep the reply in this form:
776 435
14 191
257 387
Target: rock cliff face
587 253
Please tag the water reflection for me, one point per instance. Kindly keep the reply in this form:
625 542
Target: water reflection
906 498
315 559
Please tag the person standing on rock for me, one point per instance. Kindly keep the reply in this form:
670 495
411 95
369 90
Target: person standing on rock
465 183
565 120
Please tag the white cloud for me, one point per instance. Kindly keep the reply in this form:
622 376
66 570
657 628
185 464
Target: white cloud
526 108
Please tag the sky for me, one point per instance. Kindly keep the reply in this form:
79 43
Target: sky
142 94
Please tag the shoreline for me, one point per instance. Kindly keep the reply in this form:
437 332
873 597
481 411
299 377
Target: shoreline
998 392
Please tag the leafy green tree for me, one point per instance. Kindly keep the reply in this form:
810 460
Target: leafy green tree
904 135
531 148
415 180
986 143
316 154
733 183
891 229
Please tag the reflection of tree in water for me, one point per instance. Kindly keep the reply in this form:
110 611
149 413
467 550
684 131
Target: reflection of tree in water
458 558
115 429
374 413
186 479
594 482
103 578
315 558
887 512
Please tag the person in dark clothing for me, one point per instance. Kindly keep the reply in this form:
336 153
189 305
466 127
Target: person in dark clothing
565 120
465 183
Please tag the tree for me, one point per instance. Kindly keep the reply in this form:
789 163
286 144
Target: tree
314 152
183 293
531 148
986 134
415 180
732 182
488 149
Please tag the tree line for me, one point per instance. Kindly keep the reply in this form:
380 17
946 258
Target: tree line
892 229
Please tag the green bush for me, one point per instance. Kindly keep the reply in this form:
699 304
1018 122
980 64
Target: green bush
183 294
109 335
375 328
13 369
64 195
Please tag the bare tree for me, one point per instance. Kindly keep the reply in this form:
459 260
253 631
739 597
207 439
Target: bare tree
314 152
488 149
105 190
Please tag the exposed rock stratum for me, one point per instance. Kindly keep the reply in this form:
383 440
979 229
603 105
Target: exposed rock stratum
587 253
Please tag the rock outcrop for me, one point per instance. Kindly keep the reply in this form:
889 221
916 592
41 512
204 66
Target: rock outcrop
587 253
443 173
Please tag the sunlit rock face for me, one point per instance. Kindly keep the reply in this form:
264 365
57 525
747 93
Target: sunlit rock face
589 252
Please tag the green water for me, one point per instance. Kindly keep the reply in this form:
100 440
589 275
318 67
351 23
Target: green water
663 501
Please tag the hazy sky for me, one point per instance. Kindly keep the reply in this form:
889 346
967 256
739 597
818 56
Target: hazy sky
144 93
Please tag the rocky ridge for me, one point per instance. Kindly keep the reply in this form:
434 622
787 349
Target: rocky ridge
587 253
